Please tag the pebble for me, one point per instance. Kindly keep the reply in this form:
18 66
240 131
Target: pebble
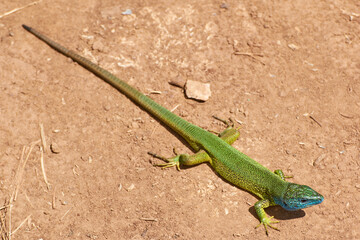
293 46
99 45
318 160
197 90
106 107
54 148
135 125
131 187
224 5
127 12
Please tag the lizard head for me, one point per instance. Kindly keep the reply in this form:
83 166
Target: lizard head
299 196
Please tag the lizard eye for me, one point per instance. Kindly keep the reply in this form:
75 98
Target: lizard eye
303 200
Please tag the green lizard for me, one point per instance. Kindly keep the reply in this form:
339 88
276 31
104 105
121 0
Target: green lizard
231 164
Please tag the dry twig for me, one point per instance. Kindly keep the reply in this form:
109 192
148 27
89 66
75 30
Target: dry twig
312 118
252 55
19 8
43 167
22 223
42 136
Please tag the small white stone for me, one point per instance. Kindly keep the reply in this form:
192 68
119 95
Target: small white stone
131 187
197 90
293 46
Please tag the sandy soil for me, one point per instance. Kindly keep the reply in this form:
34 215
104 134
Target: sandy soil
287 70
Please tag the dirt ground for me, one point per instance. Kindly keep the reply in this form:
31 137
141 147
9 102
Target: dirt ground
286 71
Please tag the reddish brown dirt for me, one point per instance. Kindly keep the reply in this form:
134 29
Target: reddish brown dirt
271 64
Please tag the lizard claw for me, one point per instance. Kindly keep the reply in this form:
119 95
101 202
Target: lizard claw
167 165
267 222
169 162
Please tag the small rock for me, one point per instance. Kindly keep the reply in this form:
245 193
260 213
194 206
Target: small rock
224 5
135 125
293 46
131 187
89 159
127 12
99 45
319 159
87 37
197 90
183 113
54 148
107 107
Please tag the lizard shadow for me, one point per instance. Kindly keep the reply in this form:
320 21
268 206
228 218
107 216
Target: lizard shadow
279 213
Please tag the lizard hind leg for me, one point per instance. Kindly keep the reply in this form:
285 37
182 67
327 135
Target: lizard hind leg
182 159
230 134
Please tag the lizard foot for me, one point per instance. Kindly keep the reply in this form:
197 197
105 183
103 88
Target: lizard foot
169 162
266 221
229 123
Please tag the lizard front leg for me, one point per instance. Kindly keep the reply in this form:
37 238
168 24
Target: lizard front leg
264 219
280 173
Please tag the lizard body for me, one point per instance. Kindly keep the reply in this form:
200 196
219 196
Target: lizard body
231 164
